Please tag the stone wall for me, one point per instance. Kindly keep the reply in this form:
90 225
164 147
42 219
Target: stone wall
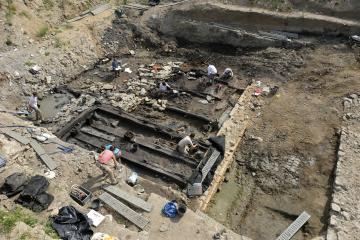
344 222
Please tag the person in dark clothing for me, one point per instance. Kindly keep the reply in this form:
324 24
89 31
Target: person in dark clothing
116 67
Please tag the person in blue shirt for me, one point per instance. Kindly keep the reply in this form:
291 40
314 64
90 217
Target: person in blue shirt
115 66
116 151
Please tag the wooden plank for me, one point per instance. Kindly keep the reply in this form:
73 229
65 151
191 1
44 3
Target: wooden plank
185 113
200 94
66 129
274 36
153 147
228 84
136 6
118 132
76 19
16 136
99 9
287 34
97 133
142 122
124 210
167 152
42 154
135 201
176 177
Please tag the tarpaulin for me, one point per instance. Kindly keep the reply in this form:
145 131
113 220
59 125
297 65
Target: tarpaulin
219 143
34 196
70 224
14 184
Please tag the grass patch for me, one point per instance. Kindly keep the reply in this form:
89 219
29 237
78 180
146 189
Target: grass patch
88 4
48 4
278 5
47 53
10 11
25 14
68 26
25 236
11 7
49 230
42 31
58 43
29 63
8 220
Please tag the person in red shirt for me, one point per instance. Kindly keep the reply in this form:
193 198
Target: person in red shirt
104 162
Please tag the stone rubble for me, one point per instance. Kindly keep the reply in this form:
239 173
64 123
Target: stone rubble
136 92
344 222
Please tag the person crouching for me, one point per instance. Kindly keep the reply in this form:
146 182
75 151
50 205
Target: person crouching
107 161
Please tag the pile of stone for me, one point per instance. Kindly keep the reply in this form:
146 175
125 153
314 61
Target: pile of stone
349 103
125 101
158 104
76 106
140 87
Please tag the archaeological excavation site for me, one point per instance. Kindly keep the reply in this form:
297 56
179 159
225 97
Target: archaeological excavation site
180 120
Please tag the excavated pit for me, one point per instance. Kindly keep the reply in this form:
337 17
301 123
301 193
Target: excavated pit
242 200
196 107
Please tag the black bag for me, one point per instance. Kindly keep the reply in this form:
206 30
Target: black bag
70 224
34 196
13 184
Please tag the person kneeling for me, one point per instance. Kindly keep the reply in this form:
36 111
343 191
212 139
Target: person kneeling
186 144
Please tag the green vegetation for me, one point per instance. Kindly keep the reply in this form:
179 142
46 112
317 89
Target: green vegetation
29 63
68 26
125 2
58 43
42 31
49 230
88 4
8 220
25 236
48 4
10 11
25 14
47 53
279 5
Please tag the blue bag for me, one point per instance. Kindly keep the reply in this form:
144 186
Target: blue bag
170 210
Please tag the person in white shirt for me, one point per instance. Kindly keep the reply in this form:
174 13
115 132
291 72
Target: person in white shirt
164 87
228 73
33 106
186 144
212 71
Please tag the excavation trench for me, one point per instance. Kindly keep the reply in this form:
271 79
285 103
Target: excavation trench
196 107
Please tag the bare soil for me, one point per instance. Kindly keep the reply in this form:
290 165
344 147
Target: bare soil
284 165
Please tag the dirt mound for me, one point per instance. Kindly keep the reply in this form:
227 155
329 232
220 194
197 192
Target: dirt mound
343 9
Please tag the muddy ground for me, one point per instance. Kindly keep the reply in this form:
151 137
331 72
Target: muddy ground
285 164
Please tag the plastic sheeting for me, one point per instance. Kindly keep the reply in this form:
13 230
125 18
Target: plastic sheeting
34 196
170 209
70 224
218 143
14 184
